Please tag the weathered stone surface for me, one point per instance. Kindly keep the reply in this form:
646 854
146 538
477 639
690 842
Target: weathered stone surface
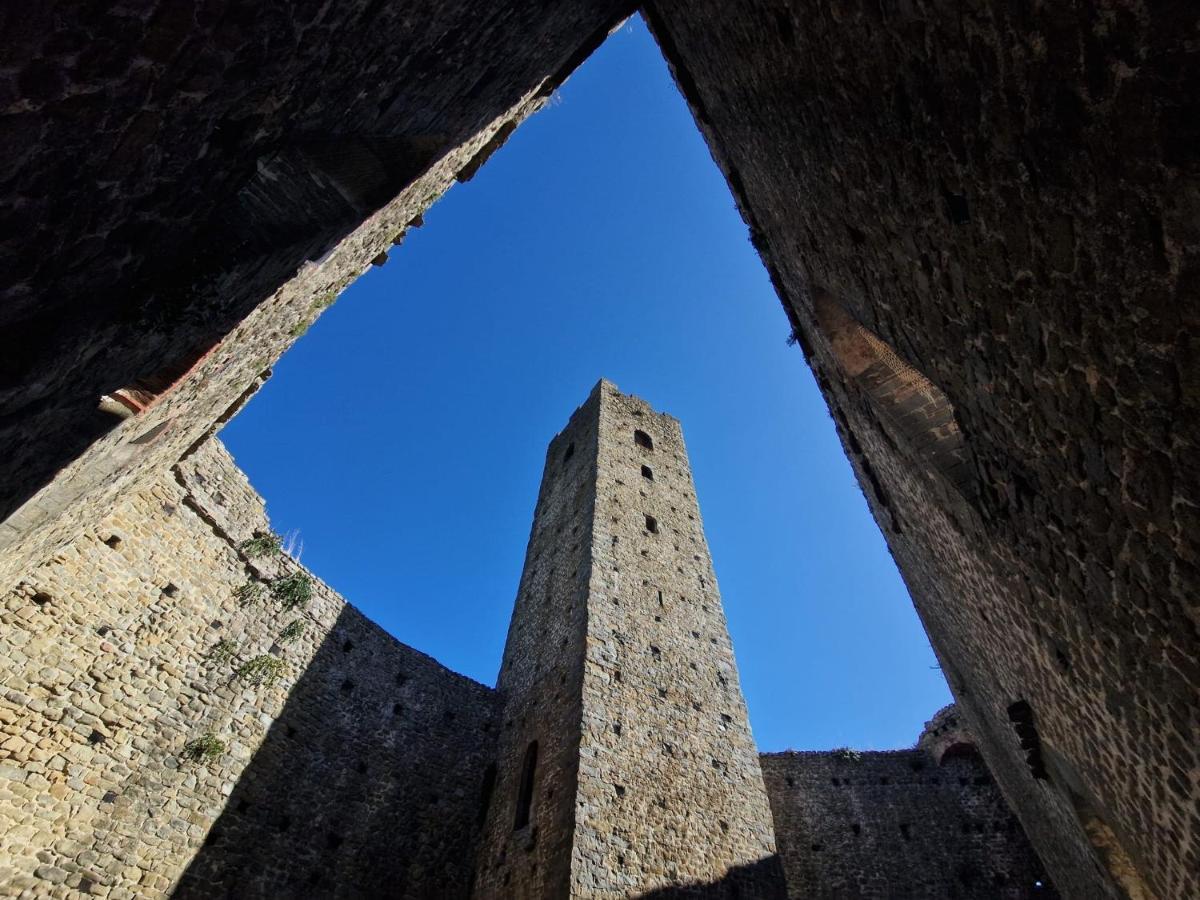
619 665
169 168
928 822
1004 196
360 766
1001 196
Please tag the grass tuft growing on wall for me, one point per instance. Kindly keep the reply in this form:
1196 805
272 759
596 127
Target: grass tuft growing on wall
250 593
293 590
264 669
223 651
204 749
292 632
262 545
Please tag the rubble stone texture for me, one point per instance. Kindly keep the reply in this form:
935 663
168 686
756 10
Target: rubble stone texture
1004 196
246 164
982 223
928 822
619 666
360 766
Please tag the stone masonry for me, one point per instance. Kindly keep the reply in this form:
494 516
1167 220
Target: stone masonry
613 760
358 767
1003 199
619 666
996 201
927 822
232 148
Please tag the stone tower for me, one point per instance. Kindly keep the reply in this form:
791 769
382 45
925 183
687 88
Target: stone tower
625 764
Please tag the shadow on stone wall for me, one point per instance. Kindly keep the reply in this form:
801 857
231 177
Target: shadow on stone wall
366 785
762 880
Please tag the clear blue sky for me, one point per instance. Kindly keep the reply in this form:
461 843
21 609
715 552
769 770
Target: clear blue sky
404 434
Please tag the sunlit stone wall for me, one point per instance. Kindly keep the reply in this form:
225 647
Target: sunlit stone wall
357 771
619 665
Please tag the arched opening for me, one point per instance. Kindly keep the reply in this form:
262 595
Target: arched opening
147 390
525 788
642 439
959 750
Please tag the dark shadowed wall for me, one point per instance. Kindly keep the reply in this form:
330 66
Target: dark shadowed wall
897 824
982 221
169 167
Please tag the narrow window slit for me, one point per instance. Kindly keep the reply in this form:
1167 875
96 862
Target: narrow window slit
525 790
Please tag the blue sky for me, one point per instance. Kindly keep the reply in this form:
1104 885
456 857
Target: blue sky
403 436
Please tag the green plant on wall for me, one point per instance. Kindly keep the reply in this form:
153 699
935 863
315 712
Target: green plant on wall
264 669
299 329
261 545
223 651
293 631
204 749
292 590
847 754
249 593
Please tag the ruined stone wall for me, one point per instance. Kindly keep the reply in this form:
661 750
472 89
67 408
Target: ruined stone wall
1005 197
897 824
181 173
357 772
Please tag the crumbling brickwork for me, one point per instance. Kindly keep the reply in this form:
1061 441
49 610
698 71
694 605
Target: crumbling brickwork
356 773
903 823
620 667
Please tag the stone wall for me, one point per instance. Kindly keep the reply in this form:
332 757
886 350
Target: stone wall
1003 196
183 178
897 824
357 772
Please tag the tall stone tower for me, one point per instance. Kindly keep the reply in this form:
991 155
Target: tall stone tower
625 765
